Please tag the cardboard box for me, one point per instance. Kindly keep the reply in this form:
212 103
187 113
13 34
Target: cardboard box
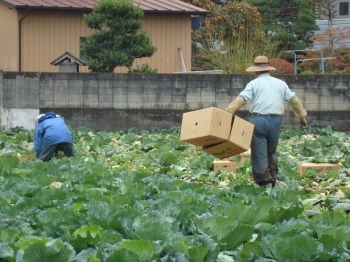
239 141
224 165
319 168
207 126
26 158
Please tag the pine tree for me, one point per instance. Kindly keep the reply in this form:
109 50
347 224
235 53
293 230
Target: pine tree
116 39
293 22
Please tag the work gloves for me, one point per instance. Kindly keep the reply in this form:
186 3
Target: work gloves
303 122
235 105
298 109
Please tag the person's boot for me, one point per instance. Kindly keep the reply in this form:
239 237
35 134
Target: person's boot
271 180
264 183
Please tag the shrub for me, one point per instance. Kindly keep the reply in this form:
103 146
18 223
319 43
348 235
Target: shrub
144 69
282 66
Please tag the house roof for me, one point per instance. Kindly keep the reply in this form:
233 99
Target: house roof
67 56
172 6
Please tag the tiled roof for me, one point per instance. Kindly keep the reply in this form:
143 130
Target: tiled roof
172 6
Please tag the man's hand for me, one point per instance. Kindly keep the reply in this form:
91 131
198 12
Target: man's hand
303 123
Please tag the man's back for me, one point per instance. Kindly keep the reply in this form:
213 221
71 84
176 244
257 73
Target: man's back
267 94
55 131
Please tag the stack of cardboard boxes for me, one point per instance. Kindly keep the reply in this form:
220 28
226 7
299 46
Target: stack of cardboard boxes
222 135
219 133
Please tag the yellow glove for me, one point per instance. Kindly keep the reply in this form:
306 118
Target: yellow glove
236 105
297 107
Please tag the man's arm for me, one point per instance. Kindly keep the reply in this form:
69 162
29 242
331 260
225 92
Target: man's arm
236 105
299 110
38 140
297 107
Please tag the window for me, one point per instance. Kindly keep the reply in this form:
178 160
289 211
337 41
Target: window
344 8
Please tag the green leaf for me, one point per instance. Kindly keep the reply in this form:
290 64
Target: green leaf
147 227
54 251
123 255
280 213
130 138
143 248
197 254
219 226
331 243
342 206
247 190
334 218
293 249
207 242
167 155
346 161
252 214
29 240
84 256
249 251
93 234
336 233
289 196
240 234
239 212
260 214
6 251
9 234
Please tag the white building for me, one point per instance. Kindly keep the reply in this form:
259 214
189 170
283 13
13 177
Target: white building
341 21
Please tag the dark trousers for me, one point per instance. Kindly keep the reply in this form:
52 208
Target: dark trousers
264 157
47 152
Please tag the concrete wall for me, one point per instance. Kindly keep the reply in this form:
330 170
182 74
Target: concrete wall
122 101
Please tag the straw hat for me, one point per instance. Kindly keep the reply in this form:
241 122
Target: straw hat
261 63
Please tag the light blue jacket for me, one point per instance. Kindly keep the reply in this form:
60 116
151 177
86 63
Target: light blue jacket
51 130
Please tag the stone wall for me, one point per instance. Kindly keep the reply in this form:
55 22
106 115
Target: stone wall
123 101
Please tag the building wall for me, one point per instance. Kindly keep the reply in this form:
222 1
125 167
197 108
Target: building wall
168 33
337 3
47 35
114 102
338 25
8 39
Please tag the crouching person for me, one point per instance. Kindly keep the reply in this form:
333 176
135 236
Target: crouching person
52 135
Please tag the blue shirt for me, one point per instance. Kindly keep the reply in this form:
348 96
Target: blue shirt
49 132
267 95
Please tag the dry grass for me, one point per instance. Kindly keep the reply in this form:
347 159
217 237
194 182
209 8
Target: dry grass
238 52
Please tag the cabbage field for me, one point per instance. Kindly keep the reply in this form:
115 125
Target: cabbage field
147 196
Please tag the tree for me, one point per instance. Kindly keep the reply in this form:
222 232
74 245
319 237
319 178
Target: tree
116 39
293 21
334 46
234 17
333 38
229 37
325 9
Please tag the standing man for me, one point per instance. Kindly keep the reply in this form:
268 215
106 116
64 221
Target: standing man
267 95
52 135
